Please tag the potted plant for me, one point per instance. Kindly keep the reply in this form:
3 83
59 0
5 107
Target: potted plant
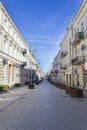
31 85
17 85
67 90
62 86
4 87
76 92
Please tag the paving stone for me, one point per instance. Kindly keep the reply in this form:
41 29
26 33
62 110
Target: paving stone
44 108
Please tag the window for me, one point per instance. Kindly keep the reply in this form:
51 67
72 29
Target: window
14 53
11 31
17 54
6 25
15 36
72 32
78 30
82 27
0 17
86 22
17 40
0 43
6 47
10 50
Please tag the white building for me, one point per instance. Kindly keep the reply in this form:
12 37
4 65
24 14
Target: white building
16 59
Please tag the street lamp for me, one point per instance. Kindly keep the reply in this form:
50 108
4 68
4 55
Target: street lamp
30 67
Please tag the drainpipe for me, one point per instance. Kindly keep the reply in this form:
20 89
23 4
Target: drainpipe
82 48
76 69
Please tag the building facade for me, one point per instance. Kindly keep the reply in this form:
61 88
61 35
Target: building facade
73 51
17 63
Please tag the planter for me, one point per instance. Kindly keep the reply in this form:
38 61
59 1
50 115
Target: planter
31 86
67 90
58 85
17 85
76 92
4 87
62 86
27 83
37 83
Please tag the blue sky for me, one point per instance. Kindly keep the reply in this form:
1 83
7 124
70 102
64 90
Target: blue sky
43 24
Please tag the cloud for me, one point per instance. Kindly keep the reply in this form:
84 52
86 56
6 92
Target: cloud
44 41
35 39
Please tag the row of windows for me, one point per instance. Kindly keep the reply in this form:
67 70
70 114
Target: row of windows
82 28
7 48
13 33
5 23
10 50
10 29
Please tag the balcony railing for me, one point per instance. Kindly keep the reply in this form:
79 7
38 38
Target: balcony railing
78 37
24 51
56 71
63 66
63 54
78 60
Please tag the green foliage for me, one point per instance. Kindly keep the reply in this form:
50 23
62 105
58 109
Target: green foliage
17 85
31 86
4 87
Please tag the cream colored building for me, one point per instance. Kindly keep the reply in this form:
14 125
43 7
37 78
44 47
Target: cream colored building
16 59
55 77
62 63
73 50
65 60
79 46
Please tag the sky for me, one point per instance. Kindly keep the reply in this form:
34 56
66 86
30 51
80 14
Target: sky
43 24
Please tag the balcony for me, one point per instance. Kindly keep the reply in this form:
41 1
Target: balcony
24 51
77 60
56 71
78 37
63 54
24 63
63 66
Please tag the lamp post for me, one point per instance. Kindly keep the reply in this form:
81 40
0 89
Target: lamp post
30 68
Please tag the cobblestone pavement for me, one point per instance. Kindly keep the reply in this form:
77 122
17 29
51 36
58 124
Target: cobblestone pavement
44 108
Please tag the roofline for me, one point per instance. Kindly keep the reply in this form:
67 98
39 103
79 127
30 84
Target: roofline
77 13
12 22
